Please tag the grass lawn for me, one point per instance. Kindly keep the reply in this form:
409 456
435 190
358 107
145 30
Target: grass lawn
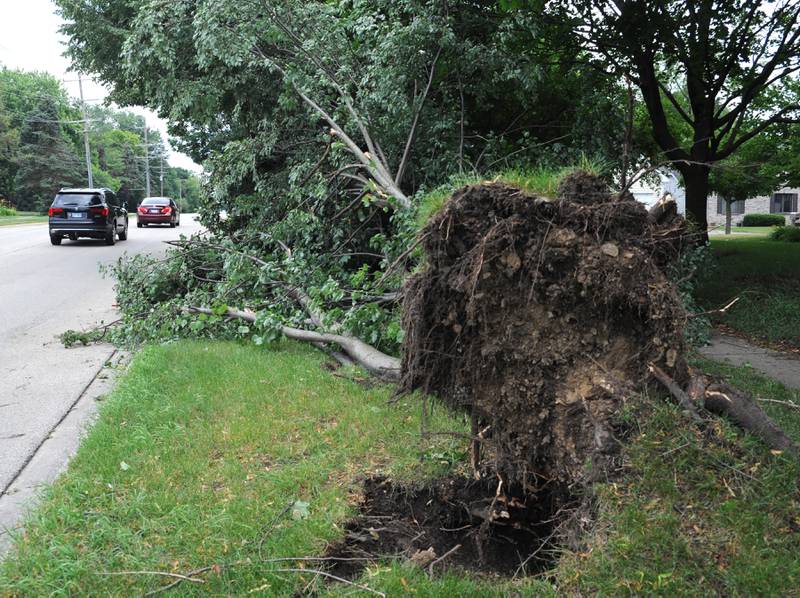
22 218
203 446
762 231
766 274
698 514
198 452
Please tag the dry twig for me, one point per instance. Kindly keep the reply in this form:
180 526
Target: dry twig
441 558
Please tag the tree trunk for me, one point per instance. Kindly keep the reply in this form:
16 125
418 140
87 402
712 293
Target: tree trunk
728 212
695 178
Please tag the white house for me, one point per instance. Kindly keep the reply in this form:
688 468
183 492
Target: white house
784 201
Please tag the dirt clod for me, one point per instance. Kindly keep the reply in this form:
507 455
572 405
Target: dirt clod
539 316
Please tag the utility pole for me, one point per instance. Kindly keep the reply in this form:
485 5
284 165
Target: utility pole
180 189
146 158
86 134
162 174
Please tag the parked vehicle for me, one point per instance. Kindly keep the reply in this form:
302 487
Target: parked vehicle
92 213
158 210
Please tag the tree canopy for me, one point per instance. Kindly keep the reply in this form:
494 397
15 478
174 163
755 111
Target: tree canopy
41 147
724 70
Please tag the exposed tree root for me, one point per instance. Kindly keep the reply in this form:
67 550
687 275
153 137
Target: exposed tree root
741 408
735 404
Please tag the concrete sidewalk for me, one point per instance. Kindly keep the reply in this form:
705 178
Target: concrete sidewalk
52 457
784 367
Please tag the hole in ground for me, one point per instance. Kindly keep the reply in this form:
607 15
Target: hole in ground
424 524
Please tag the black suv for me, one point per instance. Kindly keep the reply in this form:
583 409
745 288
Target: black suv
93 213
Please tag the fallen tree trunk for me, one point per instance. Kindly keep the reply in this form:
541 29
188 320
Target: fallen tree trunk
374 361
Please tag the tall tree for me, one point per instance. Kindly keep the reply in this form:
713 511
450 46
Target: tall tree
9 141
726 68
46 160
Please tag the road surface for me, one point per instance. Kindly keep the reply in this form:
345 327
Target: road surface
45 290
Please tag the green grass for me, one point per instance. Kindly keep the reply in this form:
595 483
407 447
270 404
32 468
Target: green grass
199 450
762 231
766 274
538 181
22 218
698 514
203 445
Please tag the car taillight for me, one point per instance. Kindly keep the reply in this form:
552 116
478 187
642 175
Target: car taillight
166 210
98 211
55 212
142 210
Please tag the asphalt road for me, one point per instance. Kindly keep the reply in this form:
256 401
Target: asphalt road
45 290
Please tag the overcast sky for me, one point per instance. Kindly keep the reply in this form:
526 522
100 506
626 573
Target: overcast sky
29 40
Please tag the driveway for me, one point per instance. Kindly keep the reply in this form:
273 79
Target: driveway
45 290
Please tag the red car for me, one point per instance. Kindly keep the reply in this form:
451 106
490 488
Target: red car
158 210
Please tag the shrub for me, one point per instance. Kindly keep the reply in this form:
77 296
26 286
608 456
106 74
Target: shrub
6 209
789 234
763 220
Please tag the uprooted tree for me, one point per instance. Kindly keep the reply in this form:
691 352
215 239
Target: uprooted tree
542 318
322 125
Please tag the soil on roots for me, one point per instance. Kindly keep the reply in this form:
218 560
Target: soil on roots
539 317
423 524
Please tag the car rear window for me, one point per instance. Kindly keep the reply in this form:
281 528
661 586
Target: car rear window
155 202
78 199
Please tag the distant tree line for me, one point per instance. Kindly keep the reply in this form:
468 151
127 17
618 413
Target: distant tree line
41 147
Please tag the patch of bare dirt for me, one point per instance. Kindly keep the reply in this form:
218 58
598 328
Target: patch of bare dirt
442 525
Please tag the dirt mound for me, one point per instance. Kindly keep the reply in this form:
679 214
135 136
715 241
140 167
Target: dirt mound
539 317
423 524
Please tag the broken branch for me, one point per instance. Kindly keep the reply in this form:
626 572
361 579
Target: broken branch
376 362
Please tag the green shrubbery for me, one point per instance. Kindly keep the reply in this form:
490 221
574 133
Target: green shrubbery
789 234
763 220
6 209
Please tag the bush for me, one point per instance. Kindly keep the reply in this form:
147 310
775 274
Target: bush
789 234
6 209
763 220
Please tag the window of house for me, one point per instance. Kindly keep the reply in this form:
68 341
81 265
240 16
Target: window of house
783 202
737 207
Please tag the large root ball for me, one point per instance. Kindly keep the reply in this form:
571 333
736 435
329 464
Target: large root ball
539 316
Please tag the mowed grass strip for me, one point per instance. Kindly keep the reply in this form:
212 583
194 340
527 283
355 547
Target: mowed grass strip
766 275
762 231
216 453
699 513
22 218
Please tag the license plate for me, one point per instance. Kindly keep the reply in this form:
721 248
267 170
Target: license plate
76 214
155 211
